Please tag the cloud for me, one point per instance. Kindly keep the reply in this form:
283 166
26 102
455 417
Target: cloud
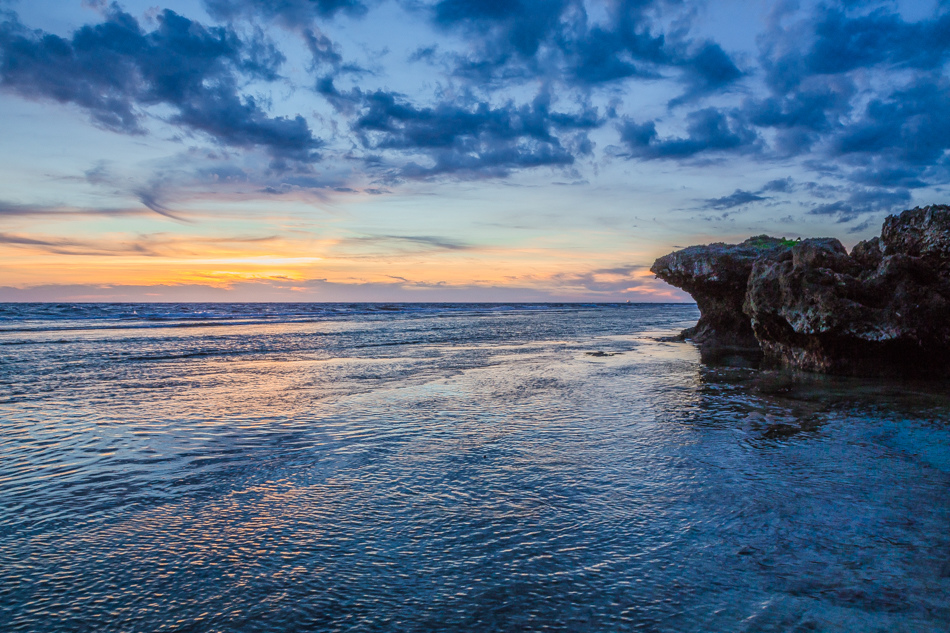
177 186
862 92
829 41
898 139
601 56
621 281
860 228
863 201
465 137
880 173
323 50
116 71
440 243
707 71
556 40
518 27
149 198
894 139
854 92
911 124
779 185
708 130
844 43
290 13
67 246
827 99
736 199
417 242
12 209
810 110
155 245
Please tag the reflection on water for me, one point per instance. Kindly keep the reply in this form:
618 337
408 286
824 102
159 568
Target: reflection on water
461 468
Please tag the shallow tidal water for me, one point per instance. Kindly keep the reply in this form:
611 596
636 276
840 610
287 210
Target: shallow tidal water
282 467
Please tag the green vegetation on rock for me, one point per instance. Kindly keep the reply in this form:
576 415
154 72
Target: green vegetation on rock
767 241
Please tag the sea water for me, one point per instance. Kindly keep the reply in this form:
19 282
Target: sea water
410 467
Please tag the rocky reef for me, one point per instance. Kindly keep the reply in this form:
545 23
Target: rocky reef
884 308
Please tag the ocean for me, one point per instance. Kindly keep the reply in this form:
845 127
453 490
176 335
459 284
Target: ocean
453 467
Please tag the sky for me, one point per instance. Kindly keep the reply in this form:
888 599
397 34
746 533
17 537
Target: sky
448 150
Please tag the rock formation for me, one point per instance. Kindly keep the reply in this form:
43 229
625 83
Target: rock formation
883 308
716 276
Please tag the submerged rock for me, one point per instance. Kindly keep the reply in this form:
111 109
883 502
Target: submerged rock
716 276
883 308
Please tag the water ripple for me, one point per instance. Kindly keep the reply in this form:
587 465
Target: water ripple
452 468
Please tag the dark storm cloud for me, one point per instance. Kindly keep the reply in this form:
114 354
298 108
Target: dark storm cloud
708 131
115 70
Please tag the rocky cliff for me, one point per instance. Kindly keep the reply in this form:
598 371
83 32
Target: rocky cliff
883 308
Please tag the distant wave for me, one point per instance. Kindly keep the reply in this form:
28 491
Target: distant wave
52 317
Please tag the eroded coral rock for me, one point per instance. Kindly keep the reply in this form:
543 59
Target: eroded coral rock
921 232
882 309
716 276
877 310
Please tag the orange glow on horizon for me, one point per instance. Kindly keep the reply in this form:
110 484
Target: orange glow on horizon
580 266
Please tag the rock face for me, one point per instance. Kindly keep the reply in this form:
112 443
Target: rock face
716 276
883 308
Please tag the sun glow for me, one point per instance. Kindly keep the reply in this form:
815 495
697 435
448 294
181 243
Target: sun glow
261 260
280 257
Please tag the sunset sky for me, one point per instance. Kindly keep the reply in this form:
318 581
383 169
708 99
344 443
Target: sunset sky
448 150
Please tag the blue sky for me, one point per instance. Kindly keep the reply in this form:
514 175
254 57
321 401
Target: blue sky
325 150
